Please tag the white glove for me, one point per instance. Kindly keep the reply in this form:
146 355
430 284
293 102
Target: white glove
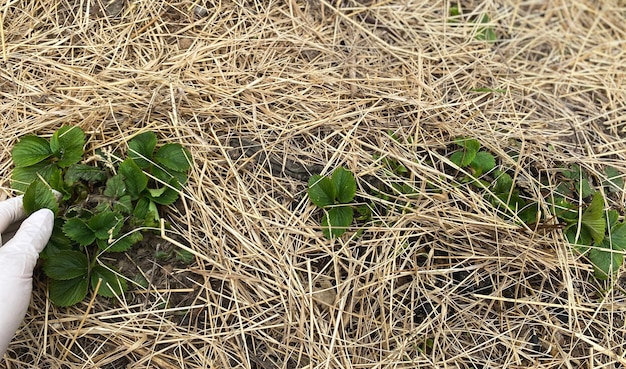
17 261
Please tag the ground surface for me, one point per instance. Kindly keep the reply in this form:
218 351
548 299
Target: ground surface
442 281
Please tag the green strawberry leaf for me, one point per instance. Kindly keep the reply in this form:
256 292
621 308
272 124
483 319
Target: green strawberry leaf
124 205
105 224
134 178
483 162
345 185
30 150
39 196
67 145
141 208
69 292
185 256
565 210
175 179
58 241
22 177
78 231
584 238
78 172
121 244
115 187
618 237
593 218
67 264
605 262
322 191
470 148
141 148
337 220
503 184
614 180
611 219
166 195
112 284
173 157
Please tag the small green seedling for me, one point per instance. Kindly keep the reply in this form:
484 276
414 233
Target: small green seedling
332 194
483 33
104 204
470 156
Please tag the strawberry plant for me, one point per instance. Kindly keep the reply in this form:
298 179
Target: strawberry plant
594 232
333 194
104 204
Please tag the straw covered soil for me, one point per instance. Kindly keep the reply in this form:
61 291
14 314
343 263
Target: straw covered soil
264 92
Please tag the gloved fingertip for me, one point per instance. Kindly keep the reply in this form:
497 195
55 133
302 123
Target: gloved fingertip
57 195
37 227
11 211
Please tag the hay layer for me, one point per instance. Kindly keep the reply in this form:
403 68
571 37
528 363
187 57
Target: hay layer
442 283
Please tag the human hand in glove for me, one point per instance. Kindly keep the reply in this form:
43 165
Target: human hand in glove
18 257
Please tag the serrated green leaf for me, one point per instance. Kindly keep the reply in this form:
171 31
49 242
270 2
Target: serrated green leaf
503 184
173 157
30 150
457 158
58 240
78 231
121 244
604 261
174 179
153 211
530 213
345 185
465 157
483 162
105 224
115 187
618 237
593 218
611 218
112 284
141 148
614 180
68 264
579 177
469 144
156 192
321 190
67 145
584 238
125 243
21 178
134 178
141 208
78 172
167 196
69 292
185 256
39 196
336 221
123 205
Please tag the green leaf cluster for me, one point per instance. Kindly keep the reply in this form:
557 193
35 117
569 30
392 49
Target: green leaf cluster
332 194
103 204
600 235
470 156
593 231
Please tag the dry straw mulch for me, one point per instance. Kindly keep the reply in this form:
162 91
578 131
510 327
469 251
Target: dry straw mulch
444 283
